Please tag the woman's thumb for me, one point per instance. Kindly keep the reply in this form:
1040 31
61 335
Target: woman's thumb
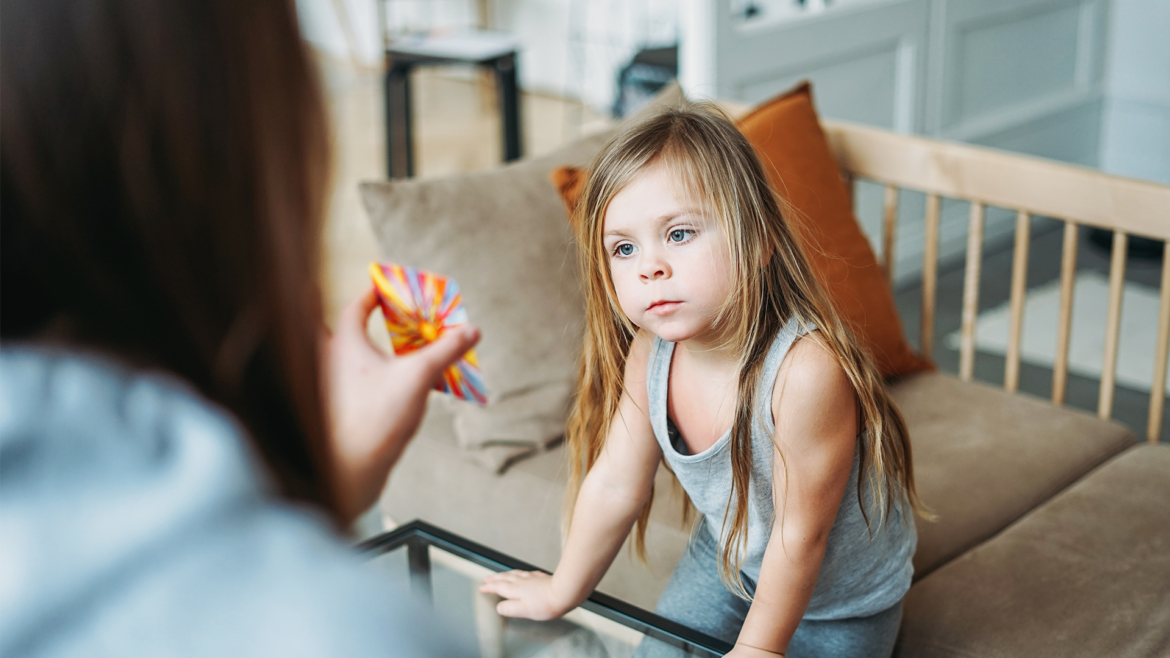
448 348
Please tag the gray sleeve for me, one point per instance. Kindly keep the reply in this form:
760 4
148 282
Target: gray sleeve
136 522
264 581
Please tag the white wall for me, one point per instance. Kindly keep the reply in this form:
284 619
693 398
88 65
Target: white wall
323 27
575 48
571 48
1135 138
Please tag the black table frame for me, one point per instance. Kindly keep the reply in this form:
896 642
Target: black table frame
418 535
399 116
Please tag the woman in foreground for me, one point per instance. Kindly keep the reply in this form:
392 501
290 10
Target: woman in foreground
179 443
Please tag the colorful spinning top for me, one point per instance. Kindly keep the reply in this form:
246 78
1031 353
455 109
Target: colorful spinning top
419 307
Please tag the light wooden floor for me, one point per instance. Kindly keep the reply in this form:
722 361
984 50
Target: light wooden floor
457 130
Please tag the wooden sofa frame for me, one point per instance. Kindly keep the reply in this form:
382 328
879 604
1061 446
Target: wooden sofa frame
1030 186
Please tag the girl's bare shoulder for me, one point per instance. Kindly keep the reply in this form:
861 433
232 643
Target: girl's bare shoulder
812 388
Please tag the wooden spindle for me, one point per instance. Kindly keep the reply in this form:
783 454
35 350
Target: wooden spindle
929 276
889 221
1068 273
971 292
1011 376
1161 352
1112 324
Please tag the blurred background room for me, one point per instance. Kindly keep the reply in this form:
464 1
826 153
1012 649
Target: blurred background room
1085 82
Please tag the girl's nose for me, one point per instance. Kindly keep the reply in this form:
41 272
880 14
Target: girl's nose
652 268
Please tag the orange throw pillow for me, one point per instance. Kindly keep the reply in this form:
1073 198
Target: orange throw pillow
787 136
570 182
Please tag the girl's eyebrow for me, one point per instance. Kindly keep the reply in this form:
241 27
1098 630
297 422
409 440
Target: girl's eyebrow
659 223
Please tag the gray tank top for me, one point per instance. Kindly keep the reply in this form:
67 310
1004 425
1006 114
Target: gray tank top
865 570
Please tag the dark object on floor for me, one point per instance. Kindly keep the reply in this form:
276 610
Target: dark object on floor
647 73
1136 247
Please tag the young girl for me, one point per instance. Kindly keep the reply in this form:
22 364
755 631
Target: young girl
711 345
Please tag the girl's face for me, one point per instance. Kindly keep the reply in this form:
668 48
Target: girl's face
670 264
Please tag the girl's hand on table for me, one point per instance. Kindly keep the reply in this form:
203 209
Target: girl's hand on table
744 651
376 400
528 594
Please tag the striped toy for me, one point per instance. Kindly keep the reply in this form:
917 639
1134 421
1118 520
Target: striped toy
419 307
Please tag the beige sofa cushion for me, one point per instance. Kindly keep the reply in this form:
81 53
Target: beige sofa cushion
519 513
1086 574
984 457
502 236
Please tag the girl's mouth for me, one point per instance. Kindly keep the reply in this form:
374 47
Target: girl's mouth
663 308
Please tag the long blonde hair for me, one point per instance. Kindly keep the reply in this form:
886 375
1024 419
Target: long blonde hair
773 282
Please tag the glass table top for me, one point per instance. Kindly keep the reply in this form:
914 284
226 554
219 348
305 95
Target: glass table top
440 569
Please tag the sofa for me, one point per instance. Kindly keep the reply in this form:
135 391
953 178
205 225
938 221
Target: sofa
1052 535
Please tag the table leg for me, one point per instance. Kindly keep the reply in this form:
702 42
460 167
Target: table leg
399 133
419 561
509 94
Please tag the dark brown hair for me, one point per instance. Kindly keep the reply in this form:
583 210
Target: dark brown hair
162 182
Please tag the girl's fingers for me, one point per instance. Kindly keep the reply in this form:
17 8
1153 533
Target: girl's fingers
495 586
498 576
510 608
504 590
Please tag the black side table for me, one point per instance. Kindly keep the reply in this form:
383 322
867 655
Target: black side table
495 50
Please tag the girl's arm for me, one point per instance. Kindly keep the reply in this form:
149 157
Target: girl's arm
815 408
611 497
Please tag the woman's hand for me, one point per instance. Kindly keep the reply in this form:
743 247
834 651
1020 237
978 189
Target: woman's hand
376 400
527 594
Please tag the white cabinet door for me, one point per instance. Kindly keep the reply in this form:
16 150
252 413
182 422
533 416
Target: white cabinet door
1022 75
865 59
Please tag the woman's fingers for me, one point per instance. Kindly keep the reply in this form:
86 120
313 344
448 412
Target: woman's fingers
356 313
440 354
376 400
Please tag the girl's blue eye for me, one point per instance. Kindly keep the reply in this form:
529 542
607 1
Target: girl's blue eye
679 235
624 249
